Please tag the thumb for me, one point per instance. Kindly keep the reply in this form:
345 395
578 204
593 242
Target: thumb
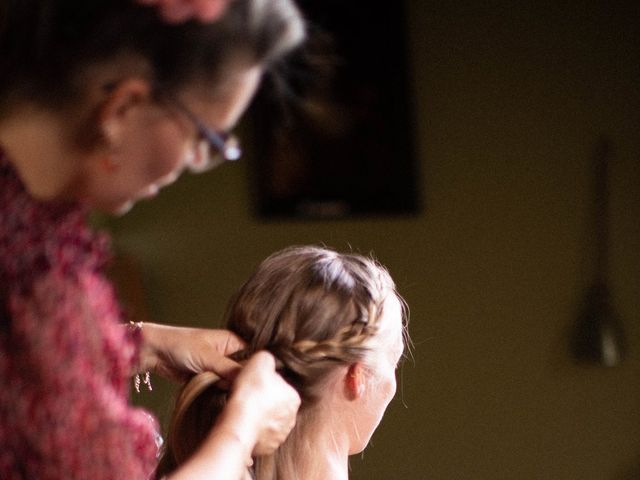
263 360
223 366
217 359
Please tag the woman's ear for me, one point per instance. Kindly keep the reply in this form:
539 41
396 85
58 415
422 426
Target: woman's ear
114 117
121 100
354 381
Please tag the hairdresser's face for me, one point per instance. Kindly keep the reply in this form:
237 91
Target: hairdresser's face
155 142
381 386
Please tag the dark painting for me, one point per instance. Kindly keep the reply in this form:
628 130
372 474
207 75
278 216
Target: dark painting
334 134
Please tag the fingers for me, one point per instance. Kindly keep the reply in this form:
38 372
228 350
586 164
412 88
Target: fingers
232 343
178 353
263 361
210 10
272 399
219 345
178 11
222 366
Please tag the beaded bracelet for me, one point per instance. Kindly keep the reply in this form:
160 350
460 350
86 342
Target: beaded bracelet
136 328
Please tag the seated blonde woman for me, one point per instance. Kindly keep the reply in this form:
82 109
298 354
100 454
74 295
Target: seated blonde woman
336 325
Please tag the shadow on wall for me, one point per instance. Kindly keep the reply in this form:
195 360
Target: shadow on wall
632 473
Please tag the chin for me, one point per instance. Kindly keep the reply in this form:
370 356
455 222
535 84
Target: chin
359 448
116 205
362 434
359 445
117 209
122 208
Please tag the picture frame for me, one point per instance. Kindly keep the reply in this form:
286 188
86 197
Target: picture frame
336 138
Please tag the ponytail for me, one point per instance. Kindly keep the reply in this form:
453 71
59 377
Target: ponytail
198 405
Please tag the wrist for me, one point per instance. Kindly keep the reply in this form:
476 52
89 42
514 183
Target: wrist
238 420
150 339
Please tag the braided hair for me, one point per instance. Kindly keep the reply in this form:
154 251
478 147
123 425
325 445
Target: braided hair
314 309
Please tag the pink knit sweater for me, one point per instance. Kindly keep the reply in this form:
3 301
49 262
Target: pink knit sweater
65 358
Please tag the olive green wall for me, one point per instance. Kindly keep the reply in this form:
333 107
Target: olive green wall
509 104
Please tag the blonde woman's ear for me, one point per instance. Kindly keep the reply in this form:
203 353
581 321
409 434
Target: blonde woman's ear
355 381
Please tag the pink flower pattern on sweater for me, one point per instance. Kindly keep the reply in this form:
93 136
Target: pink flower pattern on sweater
65 358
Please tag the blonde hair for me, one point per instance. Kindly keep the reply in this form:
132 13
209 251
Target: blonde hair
314 309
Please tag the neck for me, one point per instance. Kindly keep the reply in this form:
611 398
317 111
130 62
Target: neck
321 467
324 454
34 143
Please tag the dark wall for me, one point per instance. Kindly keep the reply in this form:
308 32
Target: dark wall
510 101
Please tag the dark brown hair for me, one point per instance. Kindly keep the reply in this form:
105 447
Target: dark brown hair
46 45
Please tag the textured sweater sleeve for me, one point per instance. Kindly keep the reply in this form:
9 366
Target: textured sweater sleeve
64 356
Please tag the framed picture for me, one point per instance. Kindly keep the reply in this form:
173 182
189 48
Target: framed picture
336 139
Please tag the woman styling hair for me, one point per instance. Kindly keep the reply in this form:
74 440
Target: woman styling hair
102 103
335 323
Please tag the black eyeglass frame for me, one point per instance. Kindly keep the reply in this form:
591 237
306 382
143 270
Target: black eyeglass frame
223 146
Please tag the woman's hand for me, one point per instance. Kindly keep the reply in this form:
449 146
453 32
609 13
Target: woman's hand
178 353
178 11
268 405
259 415
262 406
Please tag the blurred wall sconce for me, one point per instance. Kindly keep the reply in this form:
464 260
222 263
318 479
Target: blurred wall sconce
598 337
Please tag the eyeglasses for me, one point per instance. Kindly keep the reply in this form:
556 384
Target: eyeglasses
216 147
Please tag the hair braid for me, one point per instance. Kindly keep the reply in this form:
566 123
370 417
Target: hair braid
314 310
